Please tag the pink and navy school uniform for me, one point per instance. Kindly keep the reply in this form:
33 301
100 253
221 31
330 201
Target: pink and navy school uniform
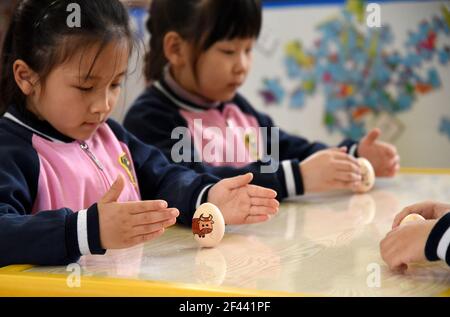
164 107
438 242
49 186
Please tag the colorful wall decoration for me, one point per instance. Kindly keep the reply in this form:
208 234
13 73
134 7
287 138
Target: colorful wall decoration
359 70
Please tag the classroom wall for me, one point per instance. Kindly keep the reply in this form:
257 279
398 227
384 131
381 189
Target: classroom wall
420 131
418 126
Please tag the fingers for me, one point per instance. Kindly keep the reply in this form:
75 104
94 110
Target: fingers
263 210
136 207
345 157
347 177
390 254
257 201
337 184
393 260
393 168
114 192
390 172
342 149
238 181
144 230
154 216
347 166
372 136
347 172
398 219
423 208
256 219
261 192
146 237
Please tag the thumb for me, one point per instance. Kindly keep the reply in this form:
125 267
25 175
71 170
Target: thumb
114 192
238 181
372 136
342 149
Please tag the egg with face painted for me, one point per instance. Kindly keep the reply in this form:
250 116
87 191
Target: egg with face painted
367 174
208 225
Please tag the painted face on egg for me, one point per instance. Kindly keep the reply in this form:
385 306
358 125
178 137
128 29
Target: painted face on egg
364 175
203 225
367 174
208 225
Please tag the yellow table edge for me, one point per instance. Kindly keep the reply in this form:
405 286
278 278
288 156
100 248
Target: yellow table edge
420 170
15 281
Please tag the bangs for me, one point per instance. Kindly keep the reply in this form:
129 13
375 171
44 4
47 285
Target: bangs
234 19
69 46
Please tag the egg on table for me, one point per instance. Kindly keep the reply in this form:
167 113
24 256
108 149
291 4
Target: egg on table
208 225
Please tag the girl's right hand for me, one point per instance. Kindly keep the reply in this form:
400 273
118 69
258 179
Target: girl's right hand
126 224
428 209
330 169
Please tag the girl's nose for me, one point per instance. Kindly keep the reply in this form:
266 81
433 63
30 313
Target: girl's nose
243 63
102 105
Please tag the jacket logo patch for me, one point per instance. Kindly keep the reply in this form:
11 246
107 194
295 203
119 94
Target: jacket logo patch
125 162
251 144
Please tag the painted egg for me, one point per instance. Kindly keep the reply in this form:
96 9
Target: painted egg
411 218
367 174
208 225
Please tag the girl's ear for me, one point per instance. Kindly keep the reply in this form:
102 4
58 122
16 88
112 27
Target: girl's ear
25 77
175 49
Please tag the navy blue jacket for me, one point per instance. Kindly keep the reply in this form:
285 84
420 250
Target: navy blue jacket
49 186
159 110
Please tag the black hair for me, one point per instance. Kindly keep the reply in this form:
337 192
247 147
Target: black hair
39 34
202 23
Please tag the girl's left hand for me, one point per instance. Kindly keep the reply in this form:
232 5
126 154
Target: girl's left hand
383 156
406 244
242 203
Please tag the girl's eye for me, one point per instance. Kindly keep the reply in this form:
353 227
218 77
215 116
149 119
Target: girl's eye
118 85
85 89
228 52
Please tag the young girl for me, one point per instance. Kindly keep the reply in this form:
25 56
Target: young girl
200 54
71 181
418 241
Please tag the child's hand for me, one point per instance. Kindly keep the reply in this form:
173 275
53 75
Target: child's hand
242 203
328 170
383 156
406 244
123 225
428 209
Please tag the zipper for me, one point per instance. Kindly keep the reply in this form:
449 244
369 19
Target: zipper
85 148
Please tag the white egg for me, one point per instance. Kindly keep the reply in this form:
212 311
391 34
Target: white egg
208 225
411 218
368 176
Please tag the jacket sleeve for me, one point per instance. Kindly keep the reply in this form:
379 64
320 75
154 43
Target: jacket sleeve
46 237
438 243
159 179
